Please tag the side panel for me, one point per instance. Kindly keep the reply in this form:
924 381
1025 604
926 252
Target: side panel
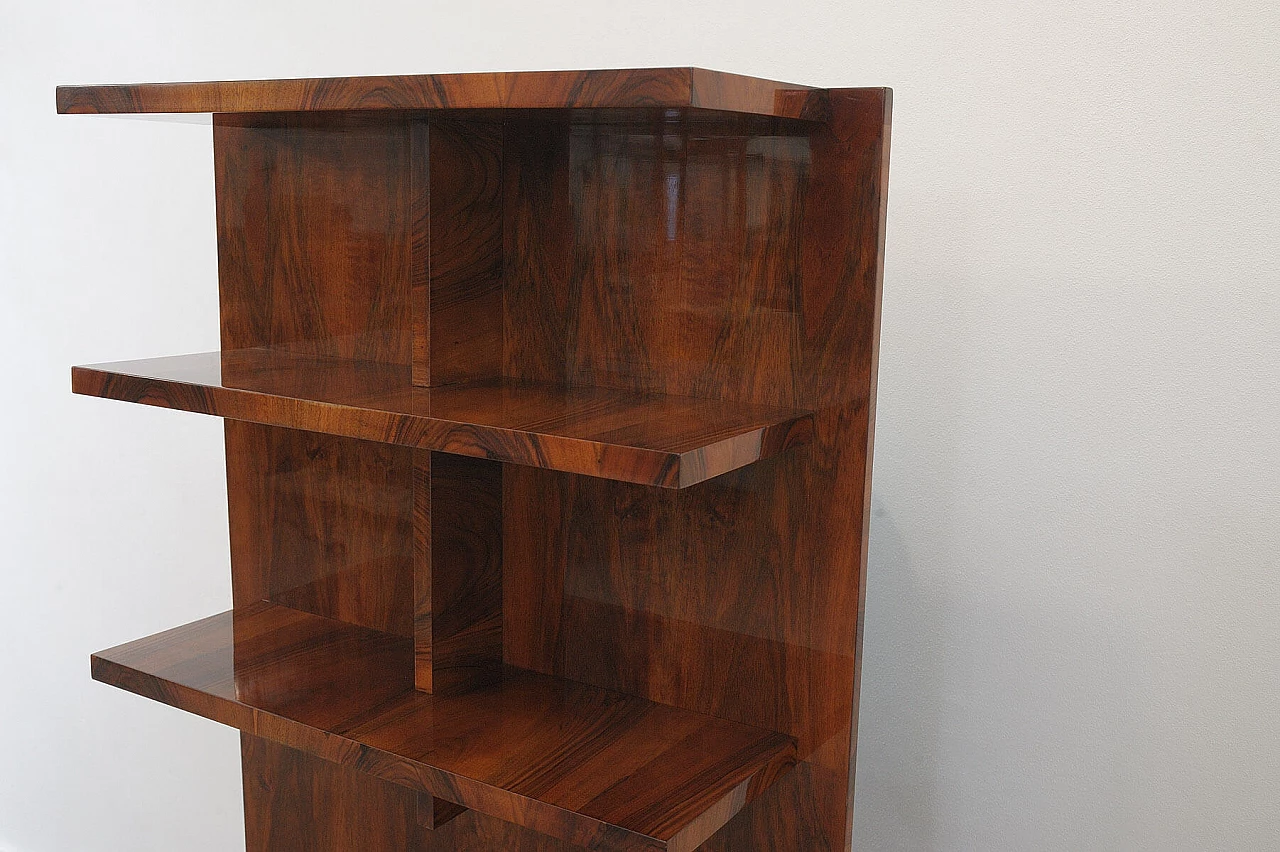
315 234
298 803
322 524
734 266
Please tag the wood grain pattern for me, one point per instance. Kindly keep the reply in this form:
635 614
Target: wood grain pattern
419 249
599 769
322 524
610 281
664 88
304 798
537 221
298 803
663 440
458 615
747 269
295 802
686 271
465 322
315 250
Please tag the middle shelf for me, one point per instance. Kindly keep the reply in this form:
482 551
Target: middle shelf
601 769
652 439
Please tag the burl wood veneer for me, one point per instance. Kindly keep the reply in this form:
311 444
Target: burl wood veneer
549 403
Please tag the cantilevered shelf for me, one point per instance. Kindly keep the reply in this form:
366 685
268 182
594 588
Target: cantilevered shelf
594 767
652 439
643 88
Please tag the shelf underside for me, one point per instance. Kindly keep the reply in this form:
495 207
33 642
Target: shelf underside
668 441
651 88
597 768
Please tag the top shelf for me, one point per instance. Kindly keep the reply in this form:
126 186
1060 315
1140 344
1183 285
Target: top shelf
660 88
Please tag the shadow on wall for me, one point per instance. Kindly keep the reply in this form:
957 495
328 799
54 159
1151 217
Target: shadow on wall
896 805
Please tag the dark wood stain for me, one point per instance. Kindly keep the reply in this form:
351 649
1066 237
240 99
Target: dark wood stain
341 809
320 523
465 325
663 88
764 288
314 245
469 323
597 768
656 439
316 805
458 616
537 248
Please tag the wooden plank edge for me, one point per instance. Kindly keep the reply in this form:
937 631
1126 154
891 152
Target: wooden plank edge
463 793
716 459
570 455
661 88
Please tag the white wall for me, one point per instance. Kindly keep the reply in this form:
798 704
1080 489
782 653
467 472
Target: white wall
1073 622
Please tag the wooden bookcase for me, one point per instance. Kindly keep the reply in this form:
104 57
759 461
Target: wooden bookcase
549 403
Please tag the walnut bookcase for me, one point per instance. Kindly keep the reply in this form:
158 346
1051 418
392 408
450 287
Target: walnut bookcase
549 402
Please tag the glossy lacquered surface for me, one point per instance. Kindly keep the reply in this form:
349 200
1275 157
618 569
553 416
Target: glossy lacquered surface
577 304
601 769
356 806
655 439
668 88
740 597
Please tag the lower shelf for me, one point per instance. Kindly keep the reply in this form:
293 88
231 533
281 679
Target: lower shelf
598 768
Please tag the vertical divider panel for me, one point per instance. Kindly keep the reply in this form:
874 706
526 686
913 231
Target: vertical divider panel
422 571
419 250
457 577
458 625
457 329
465 310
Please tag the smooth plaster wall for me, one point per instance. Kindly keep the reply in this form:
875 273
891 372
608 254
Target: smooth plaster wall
1073 621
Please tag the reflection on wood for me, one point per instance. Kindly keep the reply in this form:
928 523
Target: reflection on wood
469 322
601 769
655 439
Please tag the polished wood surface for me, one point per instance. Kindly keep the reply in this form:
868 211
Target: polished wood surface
463 323
458 602
321 524
601 769
342 809
664 88
763 287
466 342
537 231
656 439
315 246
